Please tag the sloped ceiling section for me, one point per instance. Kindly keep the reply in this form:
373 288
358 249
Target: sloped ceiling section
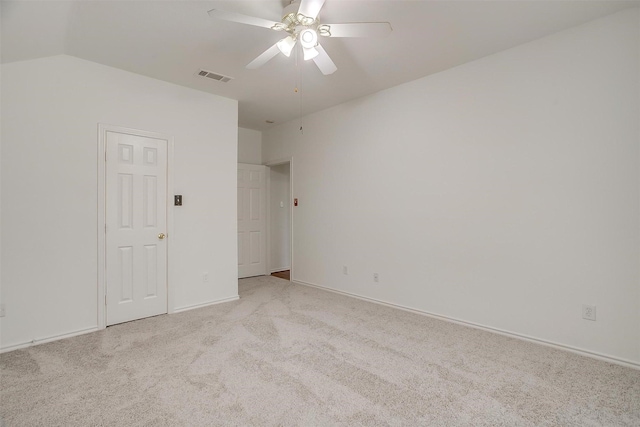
173 40
34 29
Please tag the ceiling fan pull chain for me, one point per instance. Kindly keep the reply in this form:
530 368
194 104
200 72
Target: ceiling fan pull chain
299 65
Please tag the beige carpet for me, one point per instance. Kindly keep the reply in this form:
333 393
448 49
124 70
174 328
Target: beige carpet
286 354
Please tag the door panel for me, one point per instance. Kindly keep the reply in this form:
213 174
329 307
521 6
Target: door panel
251 220
136 218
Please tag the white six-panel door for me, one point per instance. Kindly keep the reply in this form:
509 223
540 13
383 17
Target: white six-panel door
252 224
136 227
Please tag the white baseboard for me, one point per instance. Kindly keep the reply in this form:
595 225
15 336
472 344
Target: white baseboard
47 339
280 269
94 329
205 304
565 347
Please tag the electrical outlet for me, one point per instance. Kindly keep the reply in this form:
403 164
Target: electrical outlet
3 310
588 312
376 278
205 277
345 270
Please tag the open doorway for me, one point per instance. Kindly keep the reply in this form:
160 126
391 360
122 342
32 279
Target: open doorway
279 206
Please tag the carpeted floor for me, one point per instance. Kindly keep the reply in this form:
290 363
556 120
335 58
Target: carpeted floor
286 354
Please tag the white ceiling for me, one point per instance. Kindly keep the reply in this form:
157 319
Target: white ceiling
172 40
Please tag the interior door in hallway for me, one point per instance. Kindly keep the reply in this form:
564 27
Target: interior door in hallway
251 220
136 223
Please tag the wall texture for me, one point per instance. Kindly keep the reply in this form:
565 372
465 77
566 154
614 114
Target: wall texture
51 108
249 146
504 192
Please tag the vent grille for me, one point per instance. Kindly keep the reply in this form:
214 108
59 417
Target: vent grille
214 76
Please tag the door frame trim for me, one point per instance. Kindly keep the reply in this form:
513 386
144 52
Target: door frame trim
278 162
101 223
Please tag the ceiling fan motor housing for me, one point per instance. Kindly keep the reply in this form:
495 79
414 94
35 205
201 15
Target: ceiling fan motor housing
294 22
292 8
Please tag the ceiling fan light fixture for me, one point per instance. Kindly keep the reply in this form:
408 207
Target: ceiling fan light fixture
279 26
308 38
310 53
305 20
324 30
286 45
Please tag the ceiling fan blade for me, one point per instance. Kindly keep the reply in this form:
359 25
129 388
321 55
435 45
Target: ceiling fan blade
310 8
310 53
323 61
357 29
264 57
242 19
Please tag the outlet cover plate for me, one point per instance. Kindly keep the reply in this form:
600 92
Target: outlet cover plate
589 312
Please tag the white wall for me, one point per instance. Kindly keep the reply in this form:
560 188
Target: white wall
279 217
1 303
249 146
51 109
504 192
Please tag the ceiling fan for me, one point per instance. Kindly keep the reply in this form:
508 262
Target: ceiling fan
300 21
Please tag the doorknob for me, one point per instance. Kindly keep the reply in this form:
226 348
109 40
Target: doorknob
161 236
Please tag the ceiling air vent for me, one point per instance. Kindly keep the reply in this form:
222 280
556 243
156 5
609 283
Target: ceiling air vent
214 76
